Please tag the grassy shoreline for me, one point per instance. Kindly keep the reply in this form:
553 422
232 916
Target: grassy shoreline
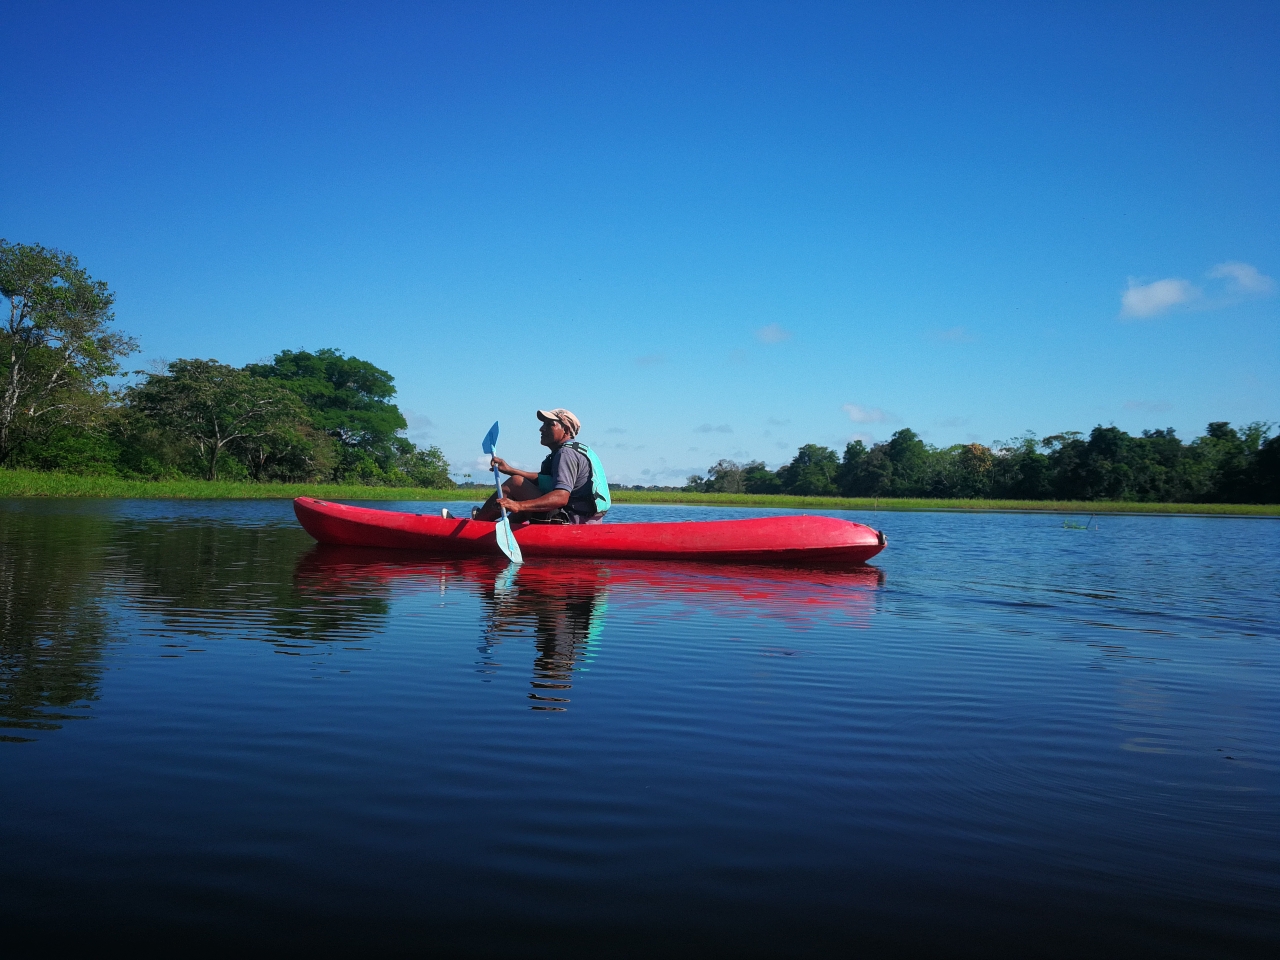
30 483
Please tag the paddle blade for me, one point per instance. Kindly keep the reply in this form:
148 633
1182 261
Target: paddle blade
490 439
507 541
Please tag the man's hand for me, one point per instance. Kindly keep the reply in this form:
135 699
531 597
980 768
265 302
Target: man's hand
502 466
512 506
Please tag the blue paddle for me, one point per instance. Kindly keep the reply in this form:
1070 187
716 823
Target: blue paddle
506 538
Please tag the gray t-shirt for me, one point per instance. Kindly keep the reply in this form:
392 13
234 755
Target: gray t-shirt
570 470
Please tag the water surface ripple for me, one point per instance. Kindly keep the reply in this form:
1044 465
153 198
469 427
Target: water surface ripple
1005 738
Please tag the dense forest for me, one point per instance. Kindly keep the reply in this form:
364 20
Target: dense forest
1226 465
304 416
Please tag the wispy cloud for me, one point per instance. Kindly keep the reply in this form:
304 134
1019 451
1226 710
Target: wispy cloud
669 474
419 426
953 335
1143 300
708 428
1148 406
1243 278
860 414
1236 283
772 334
651 360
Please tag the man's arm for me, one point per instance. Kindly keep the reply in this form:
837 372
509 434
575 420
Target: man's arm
510 471
550 501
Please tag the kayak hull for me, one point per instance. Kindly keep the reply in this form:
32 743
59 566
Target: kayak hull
789 539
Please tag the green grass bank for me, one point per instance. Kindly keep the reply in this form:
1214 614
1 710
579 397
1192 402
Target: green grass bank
30 483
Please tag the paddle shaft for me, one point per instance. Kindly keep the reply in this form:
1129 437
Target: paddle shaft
497 482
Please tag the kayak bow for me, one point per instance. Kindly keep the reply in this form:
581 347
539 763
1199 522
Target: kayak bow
787 539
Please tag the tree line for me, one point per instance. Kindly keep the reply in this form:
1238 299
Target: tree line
324 416
1226 465
304 416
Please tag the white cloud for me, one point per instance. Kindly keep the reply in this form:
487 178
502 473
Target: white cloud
1143 300
860 414
479 469
1243 278
708 428
772 334
1240 281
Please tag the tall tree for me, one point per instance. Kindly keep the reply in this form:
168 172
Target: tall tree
56 347
910 459
811 473
348 398
426 468
1266 465
211 405
725 476
1020 471
849 478
287 449
757 478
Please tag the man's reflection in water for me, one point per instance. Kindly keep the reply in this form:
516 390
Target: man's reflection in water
563 611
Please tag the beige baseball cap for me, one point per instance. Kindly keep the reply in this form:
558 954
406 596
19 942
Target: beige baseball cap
566 419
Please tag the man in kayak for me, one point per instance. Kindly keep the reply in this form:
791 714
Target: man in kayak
569 487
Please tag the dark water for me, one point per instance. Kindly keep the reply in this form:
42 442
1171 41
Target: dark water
1004 739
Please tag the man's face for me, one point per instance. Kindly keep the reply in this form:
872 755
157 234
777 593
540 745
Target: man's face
552 434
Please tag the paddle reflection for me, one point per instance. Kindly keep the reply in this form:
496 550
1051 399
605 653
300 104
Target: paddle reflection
563 605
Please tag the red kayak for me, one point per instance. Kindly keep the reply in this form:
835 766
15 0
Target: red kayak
793 539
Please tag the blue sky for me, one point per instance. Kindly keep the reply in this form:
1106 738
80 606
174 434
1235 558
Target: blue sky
710 230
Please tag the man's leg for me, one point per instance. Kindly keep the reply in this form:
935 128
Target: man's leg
516 488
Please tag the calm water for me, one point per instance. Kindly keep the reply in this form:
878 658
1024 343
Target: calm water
1004 738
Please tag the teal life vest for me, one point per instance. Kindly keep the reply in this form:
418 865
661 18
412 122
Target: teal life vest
599 501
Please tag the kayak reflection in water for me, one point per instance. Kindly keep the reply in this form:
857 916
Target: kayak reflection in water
569 487
564 615
562 605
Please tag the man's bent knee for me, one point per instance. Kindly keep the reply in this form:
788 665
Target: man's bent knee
518 488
